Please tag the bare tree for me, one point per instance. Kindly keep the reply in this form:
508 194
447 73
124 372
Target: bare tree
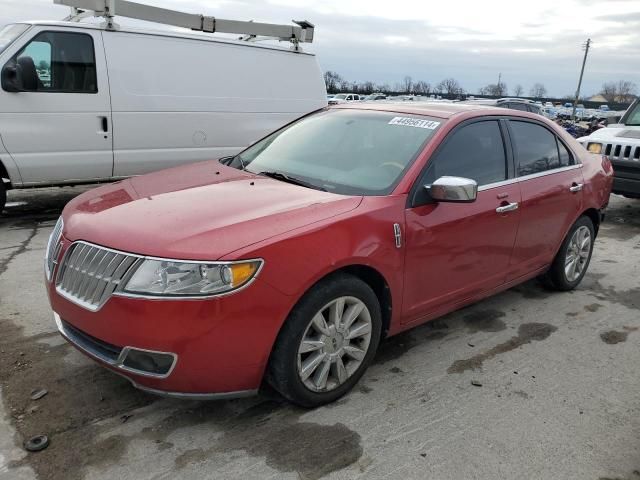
494 89
332 81
407 84
609 91
518 91
538 91
345 85
421 87
626 91
450 86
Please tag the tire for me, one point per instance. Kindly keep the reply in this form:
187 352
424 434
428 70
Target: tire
287 363
560 276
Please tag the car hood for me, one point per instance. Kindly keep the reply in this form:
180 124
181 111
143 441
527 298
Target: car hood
199 212
616 132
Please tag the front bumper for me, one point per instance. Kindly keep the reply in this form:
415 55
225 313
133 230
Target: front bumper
220 346
626 179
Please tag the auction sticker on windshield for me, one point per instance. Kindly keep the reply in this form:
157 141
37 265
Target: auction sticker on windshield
414 122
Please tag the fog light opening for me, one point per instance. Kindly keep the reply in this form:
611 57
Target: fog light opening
153 363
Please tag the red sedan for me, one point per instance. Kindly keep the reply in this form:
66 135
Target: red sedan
290 261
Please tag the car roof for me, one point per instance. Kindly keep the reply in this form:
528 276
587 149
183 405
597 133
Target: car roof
437 109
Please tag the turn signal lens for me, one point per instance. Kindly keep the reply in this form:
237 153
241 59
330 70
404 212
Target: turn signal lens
242 272
595 148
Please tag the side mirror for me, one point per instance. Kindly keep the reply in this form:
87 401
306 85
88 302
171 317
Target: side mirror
11 78
453 189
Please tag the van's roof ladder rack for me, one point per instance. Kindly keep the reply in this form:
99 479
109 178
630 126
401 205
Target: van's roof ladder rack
302 32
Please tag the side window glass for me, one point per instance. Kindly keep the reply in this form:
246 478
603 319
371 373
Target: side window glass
536 148
57 62
475 151
566 158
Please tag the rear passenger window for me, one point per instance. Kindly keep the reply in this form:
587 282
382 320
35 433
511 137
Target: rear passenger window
566 158
536 148
58 62
475 151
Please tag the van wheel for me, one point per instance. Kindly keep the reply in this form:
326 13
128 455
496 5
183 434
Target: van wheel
572 261
3 195
327 342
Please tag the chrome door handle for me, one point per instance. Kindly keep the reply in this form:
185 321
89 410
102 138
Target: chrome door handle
576 187
510 207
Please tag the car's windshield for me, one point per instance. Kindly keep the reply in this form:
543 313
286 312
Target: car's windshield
350 152
9 33
340 96
633 116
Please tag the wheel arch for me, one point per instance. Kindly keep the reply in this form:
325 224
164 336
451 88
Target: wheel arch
594 216
4 173
368 275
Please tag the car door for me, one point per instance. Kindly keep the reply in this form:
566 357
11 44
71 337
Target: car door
458 250
551 182
58 128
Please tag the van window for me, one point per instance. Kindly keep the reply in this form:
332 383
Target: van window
474 151
536 148
58 62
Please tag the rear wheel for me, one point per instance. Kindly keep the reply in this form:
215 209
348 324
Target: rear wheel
572 261
327 342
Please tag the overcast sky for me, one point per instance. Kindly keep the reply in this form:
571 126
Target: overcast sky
472 41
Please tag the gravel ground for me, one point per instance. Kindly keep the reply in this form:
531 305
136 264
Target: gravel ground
527 384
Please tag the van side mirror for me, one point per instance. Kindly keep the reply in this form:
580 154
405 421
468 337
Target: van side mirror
453 189
11 78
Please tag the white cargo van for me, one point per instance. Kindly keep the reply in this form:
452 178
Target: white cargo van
84 103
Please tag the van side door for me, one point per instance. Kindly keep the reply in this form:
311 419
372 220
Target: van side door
55 118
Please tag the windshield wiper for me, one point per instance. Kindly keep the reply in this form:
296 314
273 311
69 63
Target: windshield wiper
283 177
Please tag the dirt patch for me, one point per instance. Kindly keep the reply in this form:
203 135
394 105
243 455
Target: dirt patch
396 346
484 321
628 298
611 337
533 290
77 398
594 307
527 333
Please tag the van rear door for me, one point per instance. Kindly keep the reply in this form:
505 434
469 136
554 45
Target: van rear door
58 127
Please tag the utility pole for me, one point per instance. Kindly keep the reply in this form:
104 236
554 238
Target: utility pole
500 86
584 61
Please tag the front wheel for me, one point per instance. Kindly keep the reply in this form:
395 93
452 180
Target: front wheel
327 342
572 261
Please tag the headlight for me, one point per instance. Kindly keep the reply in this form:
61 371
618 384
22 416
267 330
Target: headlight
594 147
169 278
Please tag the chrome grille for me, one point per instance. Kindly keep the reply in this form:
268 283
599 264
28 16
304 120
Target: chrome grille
89 274
53 249
622 152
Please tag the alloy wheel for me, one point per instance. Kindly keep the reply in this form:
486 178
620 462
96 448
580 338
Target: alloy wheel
578 253
334 344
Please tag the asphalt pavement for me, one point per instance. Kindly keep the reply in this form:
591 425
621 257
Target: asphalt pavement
528 384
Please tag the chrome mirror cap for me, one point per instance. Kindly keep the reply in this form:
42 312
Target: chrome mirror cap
453 189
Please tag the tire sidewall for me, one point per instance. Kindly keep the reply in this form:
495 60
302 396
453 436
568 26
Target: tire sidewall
562 254
291 386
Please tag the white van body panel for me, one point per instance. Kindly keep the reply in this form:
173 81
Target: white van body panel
200 99
168 97
55 137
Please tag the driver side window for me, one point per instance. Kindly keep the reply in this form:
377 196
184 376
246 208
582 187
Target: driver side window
474 151
61 62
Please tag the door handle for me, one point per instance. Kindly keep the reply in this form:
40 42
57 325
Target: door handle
509 207
104 123
575 187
